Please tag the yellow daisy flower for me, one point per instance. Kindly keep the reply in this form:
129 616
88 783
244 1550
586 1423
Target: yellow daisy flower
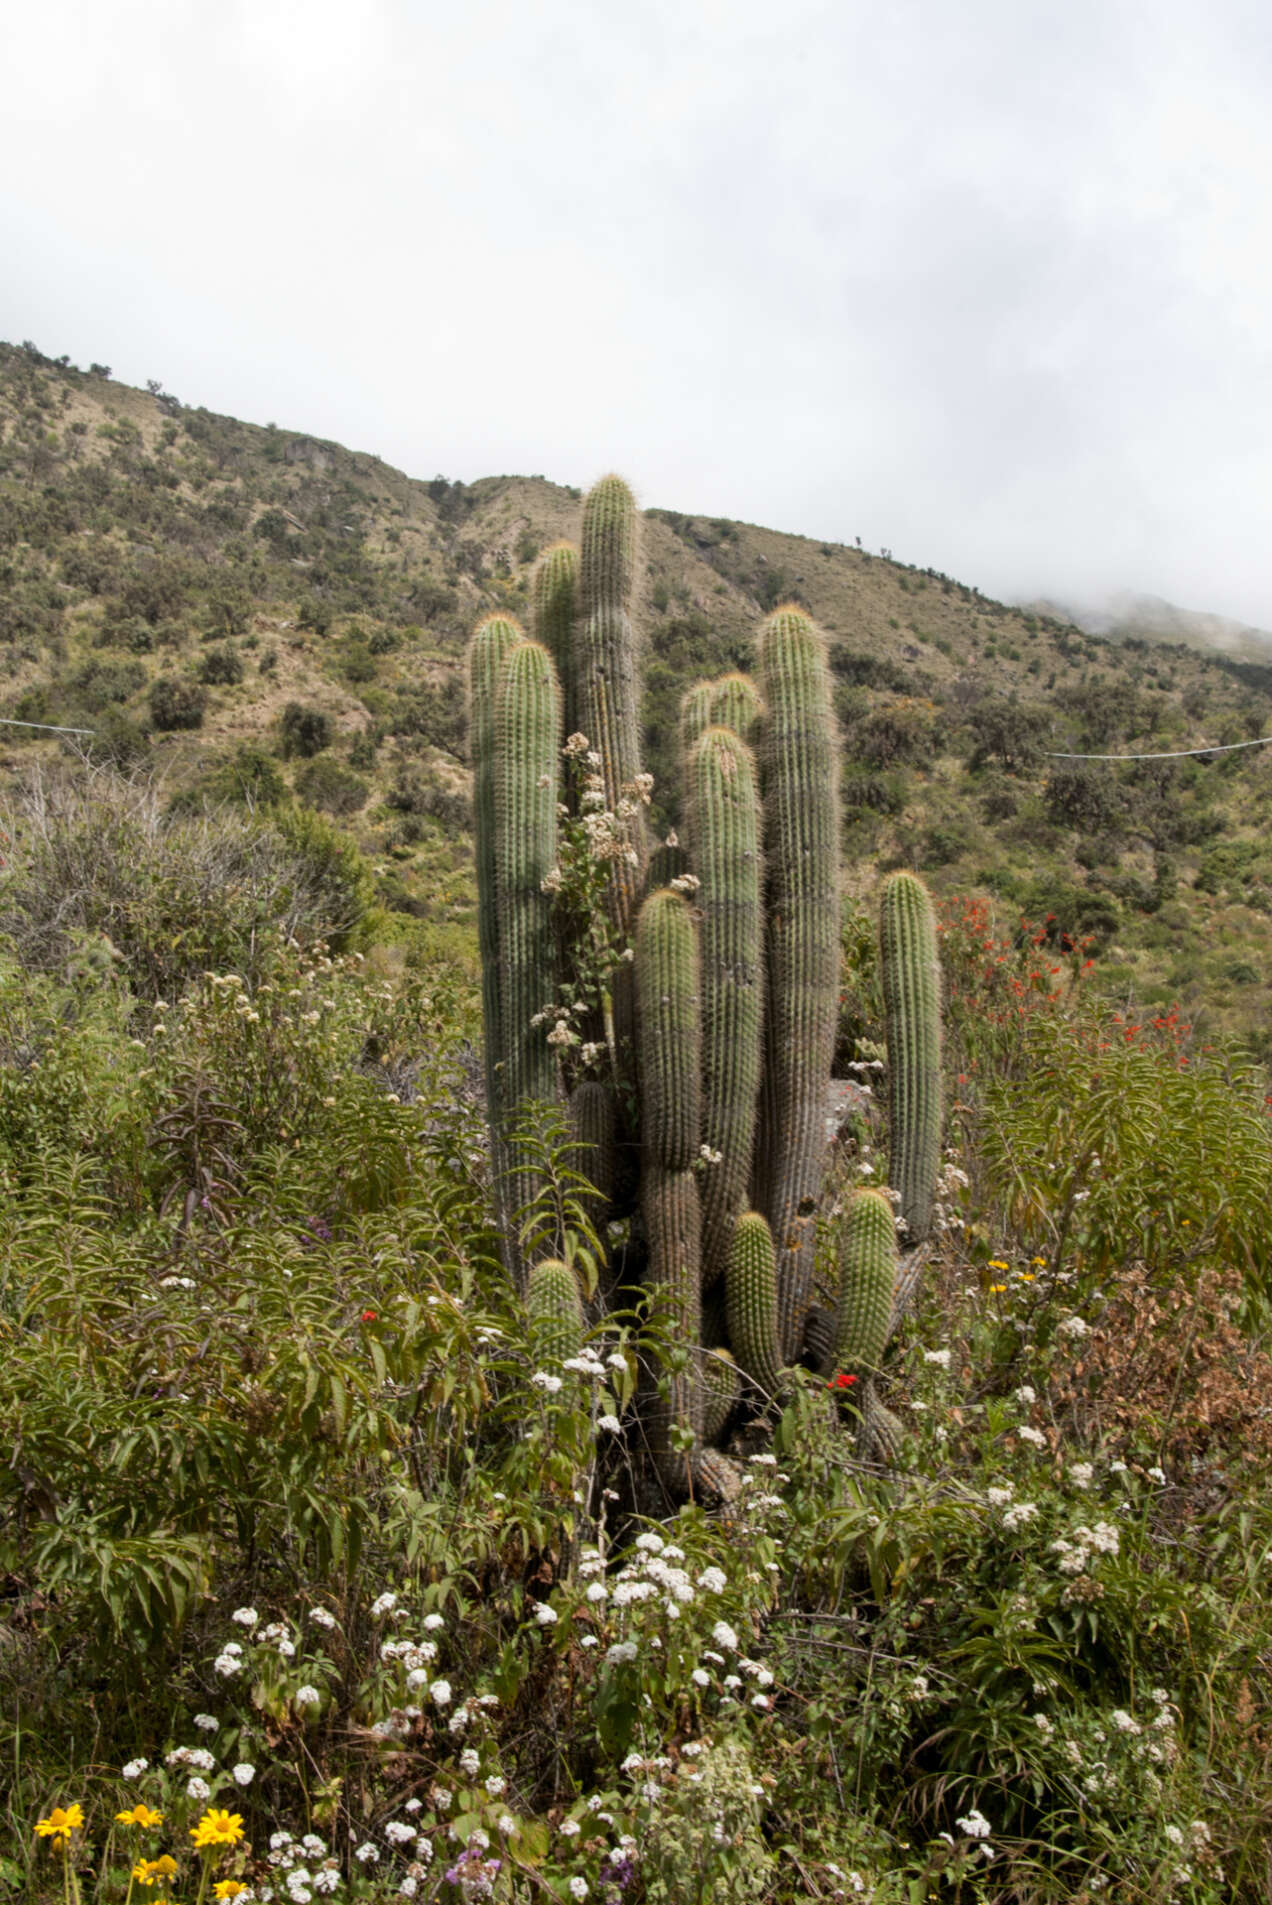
140 1816
60 1824
229 1888
217 1827
150 1871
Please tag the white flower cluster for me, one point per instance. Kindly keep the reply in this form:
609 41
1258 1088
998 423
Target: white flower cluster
196 1757
1076 1554
585 1365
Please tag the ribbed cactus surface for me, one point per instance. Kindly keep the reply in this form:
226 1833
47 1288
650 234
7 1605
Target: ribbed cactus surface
695 715
668 1031
555 1309
592 1126
527 724
492 642
736 704
867 1277
669 1205
722 1386
608 693
911 977
750 1282
725 701
723 817
801 844
609 545
554 598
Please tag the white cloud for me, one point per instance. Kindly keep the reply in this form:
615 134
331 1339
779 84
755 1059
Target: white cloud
986 284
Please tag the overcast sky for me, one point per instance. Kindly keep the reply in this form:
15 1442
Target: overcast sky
988 283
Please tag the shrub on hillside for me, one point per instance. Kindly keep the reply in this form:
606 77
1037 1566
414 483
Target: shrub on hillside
304 730
324 783
221 666
175 703
174 895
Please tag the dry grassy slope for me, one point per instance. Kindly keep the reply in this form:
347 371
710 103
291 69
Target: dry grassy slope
361 555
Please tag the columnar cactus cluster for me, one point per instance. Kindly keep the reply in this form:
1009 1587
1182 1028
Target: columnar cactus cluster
679 1006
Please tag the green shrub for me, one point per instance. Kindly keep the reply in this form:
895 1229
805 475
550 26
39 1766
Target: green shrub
174 895
221 666
304 730
335 789
176 703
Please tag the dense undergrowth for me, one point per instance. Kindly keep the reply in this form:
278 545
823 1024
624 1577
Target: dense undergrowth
309 1560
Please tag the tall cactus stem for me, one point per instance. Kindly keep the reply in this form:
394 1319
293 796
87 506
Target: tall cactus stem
527 723
668 1031
911 976
723 809
801 837
554 598
605 670
492 642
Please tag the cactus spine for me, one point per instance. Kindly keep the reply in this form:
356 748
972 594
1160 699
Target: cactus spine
801 833
724 826
911 976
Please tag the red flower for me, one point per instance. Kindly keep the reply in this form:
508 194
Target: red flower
368 1316
842 1381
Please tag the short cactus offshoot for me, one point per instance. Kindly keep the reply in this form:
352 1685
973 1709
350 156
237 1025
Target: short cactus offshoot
685 1013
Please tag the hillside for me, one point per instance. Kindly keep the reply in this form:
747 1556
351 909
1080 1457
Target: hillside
425 1485
253 612
1150 618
